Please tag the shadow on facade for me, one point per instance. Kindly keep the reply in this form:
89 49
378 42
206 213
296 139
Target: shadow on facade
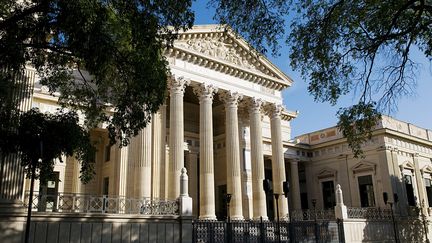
75 227
400 221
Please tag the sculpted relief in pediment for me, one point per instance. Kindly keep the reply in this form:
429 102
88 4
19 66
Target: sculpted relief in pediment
219 48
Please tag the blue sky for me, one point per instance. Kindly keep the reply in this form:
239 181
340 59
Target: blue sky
315 115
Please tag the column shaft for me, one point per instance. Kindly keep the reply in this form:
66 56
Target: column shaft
207 192
121 170
163 157
295 186
257 157
144 167
278 162
233 155
156 155
176 140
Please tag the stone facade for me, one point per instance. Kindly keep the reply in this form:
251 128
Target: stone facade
225 123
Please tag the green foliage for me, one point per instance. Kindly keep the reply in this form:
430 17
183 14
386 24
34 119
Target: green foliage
357 123
98 54
49 137
103 57
343 45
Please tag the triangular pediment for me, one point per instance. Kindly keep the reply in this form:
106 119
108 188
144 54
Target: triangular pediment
219 48
407 165
326 173
426 170
363 166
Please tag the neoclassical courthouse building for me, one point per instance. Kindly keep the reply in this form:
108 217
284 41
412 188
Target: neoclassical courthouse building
224 121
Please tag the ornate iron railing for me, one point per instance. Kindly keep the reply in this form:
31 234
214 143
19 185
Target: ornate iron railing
266 231
369 213
85 203
299 215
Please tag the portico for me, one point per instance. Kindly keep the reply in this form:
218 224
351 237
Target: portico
223 115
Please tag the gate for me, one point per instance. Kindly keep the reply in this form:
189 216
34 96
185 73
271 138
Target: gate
267 231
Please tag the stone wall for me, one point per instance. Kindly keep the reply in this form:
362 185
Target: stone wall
368 231
94 228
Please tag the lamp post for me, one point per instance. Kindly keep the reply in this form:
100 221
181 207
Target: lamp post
424 221
395 198
276 196
286 192
228 200
314 201
33 165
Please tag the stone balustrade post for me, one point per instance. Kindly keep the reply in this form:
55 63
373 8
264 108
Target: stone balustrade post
185 209
341 211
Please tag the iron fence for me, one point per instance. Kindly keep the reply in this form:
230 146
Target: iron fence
300 215
266 231
85 203
369 213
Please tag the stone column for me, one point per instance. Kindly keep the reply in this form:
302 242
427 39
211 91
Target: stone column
257 159
144 167
207 193
121 170
278 162
192 166
295 186
163 151
11 171
156 154
177 87
233 154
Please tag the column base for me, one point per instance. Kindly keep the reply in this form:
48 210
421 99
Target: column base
207 217
11 206
264 218
236 217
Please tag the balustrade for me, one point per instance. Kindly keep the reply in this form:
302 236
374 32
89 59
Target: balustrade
85 203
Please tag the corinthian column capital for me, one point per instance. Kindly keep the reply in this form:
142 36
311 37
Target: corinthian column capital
254 105
231 98
274 110
205 91
177 84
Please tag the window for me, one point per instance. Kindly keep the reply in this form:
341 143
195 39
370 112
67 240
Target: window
107 153
409 190
328 193
366 190
428 185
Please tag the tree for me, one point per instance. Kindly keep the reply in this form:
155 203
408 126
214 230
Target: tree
41 138
97 54
105 58
343 45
